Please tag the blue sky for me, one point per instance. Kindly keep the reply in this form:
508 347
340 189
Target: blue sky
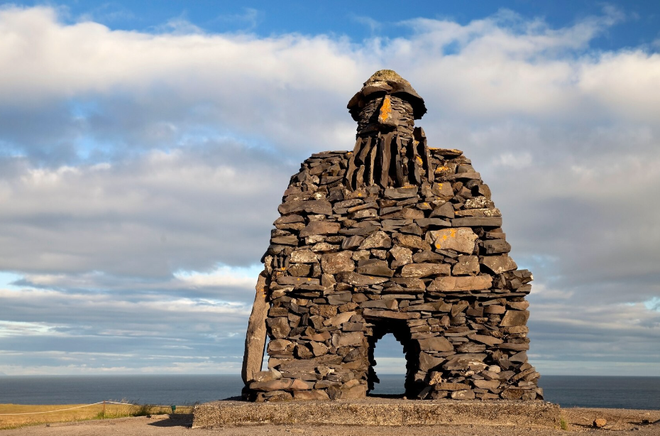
145 146
359 20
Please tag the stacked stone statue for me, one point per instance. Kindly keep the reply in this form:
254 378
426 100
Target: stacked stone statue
393 237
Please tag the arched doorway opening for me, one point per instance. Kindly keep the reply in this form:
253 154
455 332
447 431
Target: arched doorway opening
401 334
389 368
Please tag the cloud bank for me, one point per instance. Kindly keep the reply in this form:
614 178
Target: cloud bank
140 174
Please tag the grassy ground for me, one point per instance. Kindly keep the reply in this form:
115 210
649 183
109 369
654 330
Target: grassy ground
18 415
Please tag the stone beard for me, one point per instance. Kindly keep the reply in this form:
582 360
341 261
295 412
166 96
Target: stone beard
393 237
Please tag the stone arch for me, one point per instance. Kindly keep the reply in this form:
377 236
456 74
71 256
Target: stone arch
401 332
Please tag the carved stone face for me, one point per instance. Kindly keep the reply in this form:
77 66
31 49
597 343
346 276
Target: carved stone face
385 113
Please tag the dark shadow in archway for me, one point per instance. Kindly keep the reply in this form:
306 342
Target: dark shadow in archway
411 350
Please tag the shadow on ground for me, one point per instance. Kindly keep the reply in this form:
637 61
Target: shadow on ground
175 420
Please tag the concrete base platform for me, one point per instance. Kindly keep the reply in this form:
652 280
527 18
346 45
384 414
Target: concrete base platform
379 412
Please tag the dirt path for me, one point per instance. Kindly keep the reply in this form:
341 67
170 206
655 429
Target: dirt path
620 422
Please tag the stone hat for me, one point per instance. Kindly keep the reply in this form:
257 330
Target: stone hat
386 82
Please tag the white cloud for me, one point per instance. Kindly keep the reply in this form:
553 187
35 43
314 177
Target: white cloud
132 160
153 215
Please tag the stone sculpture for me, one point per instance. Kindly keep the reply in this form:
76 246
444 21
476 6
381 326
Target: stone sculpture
393 237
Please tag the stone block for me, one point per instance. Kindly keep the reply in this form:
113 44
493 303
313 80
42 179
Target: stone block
412 242
333 263
322 207
461 239
463 362
428 362
318 348
514 346
376 240
345 339
444 211
356 279
432 222
495 246
467 394
285 240
303 256
485 339
518 305
271 385
466 265
279 327
425 270
302 352
442 190
299 269
451 283
280 346
499 264
515 318
435 344
401 256
351 242
390 314
494 309
477 222
400 193
320 228
451 386
328 311
339 298
373 267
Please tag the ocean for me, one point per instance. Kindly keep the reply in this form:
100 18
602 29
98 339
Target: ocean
567 391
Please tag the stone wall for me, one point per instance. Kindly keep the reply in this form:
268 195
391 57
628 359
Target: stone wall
394 237
427 263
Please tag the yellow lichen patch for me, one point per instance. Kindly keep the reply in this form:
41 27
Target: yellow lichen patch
385 109
441 169
444 237
420 161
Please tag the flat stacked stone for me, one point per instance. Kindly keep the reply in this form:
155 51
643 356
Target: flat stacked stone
428 262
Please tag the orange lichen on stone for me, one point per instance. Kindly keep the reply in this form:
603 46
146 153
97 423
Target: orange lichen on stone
385 109
452 234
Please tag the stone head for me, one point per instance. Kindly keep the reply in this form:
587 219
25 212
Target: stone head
386 102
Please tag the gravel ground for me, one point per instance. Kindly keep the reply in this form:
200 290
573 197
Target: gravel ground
620 422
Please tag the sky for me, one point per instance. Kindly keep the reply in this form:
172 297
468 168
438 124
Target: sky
145 147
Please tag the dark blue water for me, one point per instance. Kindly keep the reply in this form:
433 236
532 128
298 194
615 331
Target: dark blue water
139 389
576 391
567 391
